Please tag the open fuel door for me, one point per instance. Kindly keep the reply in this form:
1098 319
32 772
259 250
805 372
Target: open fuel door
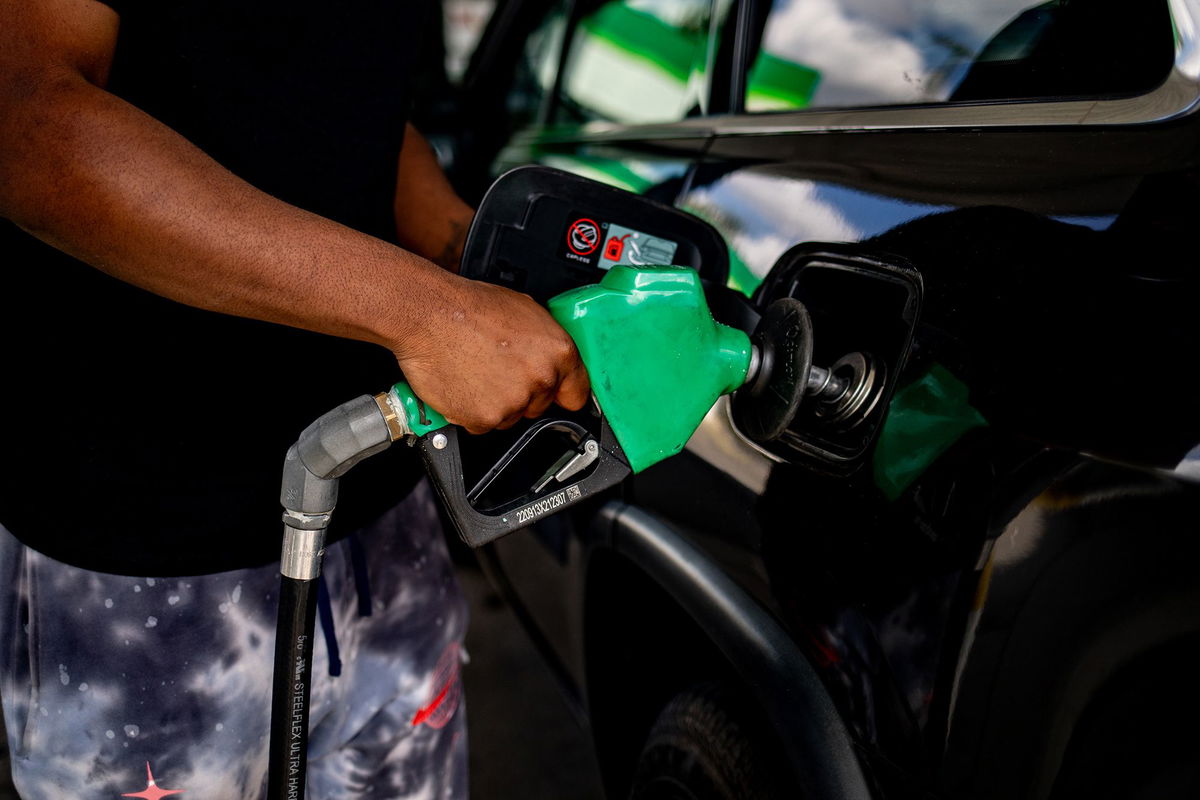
543 231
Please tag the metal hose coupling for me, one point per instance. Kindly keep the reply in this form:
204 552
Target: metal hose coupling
394 415
303 547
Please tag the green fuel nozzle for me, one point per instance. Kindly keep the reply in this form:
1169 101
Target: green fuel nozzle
656 358
658 361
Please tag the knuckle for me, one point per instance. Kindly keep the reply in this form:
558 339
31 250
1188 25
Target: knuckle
544 380
566 350
483 421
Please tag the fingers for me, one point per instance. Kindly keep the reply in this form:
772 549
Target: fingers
509 421
505 359
575 389
534 406
571 393
538 405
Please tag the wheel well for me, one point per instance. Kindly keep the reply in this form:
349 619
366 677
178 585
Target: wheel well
640 600
640 650
1136 738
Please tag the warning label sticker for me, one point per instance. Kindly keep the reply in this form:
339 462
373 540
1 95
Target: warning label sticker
607 244
583 238
640 249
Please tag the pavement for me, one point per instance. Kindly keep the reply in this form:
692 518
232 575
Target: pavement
524 741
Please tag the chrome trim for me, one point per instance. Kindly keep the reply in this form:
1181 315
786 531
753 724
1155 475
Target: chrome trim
696 128
1177 96
718 442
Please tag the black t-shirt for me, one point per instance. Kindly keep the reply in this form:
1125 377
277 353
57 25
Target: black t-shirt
146 437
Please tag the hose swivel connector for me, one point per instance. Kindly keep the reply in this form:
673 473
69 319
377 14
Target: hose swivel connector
325 451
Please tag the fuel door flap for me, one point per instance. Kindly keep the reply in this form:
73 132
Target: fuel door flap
862 310
543 231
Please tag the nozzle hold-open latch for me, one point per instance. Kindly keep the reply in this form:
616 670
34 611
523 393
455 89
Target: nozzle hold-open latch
570 464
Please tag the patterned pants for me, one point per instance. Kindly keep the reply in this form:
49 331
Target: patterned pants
118 686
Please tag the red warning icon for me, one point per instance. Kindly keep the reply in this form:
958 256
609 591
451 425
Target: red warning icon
615 247
583 237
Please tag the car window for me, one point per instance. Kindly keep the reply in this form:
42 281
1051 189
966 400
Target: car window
463 23
840 53
533 79
639 61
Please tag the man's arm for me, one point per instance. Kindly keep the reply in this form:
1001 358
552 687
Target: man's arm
431 219
97 178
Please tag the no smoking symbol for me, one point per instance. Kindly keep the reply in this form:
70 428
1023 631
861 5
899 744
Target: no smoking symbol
584 237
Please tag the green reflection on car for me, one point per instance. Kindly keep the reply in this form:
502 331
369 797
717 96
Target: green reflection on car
776 84
631 65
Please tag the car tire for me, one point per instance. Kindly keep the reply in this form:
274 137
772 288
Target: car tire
705 746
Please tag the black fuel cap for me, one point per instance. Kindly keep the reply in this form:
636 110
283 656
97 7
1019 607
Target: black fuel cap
763 408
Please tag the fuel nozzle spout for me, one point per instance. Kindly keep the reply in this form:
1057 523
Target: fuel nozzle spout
822 385
782 378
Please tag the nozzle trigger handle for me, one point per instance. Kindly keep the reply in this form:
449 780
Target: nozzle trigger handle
443 463
438 442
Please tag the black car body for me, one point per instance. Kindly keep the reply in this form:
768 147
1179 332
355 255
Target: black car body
989 589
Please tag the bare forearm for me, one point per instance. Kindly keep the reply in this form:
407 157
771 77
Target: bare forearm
94 176
430 218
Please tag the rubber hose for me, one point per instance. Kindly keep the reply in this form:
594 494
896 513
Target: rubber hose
291 698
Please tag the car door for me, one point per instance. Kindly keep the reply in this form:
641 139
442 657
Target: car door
1022 199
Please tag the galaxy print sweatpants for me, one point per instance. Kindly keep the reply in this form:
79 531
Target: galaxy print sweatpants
152 687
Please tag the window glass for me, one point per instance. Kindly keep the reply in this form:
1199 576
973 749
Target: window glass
638 61
838 53
463 22
534 77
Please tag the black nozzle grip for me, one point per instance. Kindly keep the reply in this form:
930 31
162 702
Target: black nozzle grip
477 528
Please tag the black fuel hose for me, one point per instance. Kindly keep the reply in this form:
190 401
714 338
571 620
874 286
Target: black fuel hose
291 696
323 453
